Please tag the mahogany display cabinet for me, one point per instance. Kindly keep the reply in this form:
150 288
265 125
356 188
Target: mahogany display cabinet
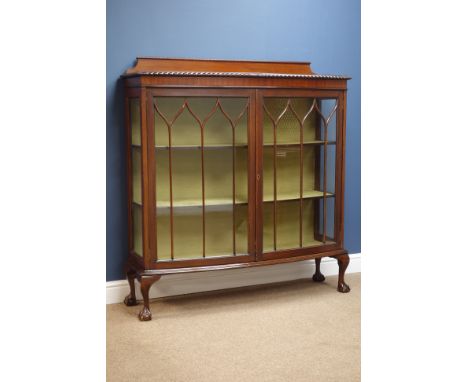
232 164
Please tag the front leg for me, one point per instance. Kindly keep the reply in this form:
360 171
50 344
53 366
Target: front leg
131 300
343 261
146 282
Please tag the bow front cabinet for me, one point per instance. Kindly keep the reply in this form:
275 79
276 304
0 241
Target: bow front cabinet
232 164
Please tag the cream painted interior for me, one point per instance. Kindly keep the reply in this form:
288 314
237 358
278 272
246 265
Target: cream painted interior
137 229
187 176
187 132
135 121
188 231
288 224
186 158
137 223
288 173
218 173
136 175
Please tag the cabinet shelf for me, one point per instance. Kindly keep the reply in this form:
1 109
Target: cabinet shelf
293 243
227 146
297 144
294 196
314 194
197 203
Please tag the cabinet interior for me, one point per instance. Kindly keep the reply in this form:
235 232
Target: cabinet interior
201 153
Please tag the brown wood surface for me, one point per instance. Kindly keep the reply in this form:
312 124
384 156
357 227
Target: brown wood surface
341 180
128 163
239 264
252 178
158 64
149 269
259 176
237 82
129 94
339 163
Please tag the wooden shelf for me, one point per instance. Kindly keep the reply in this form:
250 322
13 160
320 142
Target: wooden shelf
197 203
293 243
286 144
226 201
295 196
226 146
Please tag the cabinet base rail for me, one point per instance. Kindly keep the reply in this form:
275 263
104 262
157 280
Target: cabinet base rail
148 277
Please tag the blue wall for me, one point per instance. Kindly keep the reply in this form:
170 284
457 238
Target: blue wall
325 32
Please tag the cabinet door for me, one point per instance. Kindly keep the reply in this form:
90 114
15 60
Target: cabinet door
203 152
300 142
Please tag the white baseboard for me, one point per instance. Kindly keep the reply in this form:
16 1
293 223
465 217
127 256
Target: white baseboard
173 285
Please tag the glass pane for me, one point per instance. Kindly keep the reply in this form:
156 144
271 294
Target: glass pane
188 232
135 121
177 112
308 113
136 175
288 172
215 177
296 110
330 153
137 229
310 218
329 221
331 162
137 215
241 225
294 172
328 107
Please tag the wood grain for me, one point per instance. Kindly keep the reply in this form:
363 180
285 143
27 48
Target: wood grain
157 64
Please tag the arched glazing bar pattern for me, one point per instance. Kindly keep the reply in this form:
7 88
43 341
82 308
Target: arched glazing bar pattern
201 121
300 118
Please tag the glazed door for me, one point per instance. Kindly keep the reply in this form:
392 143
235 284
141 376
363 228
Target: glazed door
299 197
203 185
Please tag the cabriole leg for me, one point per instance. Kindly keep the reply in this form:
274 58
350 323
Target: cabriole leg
318 277
343 261
131 300
146 282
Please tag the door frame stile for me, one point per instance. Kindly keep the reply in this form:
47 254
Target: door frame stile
259 174
252 182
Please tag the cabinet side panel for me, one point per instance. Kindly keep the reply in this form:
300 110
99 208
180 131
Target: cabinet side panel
148 180
135 175
340 174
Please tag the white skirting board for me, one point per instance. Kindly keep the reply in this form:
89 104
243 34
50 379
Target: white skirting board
178 284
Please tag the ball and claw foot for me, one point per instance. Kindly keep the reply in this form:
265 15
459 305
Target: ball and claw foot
130 301
318 277
145 314
343 287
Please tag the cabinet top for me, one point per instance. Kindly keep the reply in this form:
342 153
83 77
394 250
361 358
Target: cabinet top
156 66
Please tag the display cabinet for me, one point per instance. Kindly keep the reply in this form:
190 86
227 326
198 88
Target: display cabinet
232 164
